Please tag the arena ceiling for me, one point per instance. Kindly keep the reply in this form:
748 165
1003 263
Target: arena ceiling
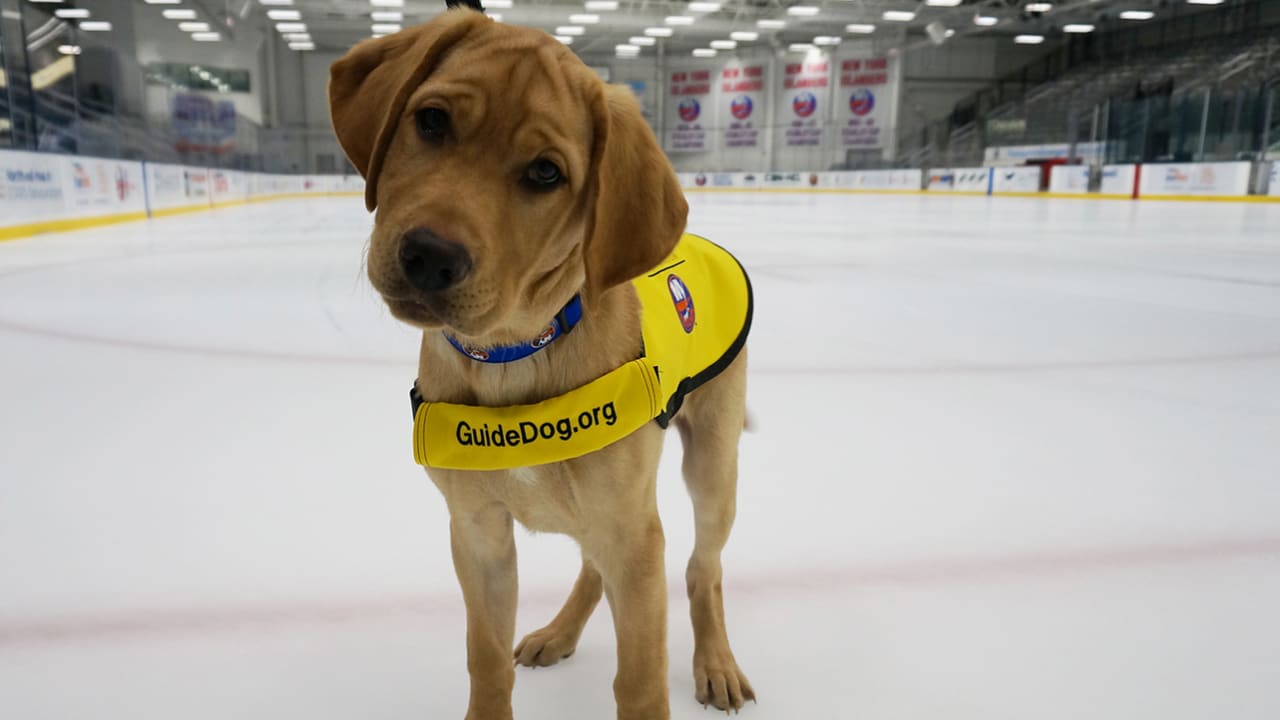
337 24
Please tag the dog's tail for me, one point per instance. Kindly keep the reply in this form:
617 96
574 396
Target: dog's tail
473 4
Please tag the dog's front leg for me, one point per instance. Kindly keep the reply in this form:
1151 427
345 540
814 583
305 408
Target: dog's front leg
484 556
630 559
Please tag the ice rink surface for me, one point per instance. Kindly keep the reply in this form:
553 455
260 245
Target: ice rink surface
1015 459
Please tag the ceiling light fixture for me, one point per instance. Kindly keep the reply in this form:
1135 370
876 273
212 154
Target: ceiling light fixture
899 15
284 14
678 20
193 26
643 41
771 24
95 26
703 7
860 28
826 40
207 37
803 10
180 14
570 30
942 3
387 28
724 44
659 32
71 13
584 19
704 53
1137 15
801 47
1029 39
985 20
602 5
744 35
386 16
291 27
1077 28
564 39
1040 7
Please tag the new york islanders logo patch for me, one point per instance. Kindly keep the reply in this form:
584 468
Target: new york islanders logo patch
683 301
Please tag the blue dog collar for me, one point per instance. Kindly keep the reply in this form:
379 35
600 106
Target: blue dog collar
565 320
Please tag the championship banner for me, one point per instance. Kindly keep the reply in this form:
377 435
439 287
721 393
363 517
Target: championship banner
690 110
866 100
805 90
742 94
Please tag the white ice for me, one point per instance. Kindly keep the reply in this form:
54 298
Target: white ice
1015 459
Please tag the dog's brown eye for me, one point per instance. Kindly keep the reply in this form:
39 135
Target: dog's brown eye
433 123
543 175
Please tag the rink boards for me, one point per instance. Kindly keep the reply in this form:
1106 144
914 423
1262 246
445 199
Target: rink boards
42 192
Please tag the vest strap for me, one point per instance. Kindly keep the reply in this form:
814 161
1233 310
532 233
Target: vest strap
571 425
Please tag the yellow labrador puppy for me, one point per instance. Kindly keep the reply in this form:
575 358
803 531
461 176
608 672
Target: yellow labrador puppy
517 198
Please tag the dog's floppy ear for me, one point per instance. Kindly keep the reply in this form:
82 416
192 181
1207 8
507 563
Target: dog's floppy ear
369 86
640 211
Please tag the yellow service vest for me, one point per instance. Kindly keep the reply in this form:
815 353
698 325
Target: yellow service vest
697 313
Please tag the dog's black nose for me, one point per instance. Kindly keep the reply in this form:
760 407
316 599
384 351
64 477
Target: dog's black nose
431 263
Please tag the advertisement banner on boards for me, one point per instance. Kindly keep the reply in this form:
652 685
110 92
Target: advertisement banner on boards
1220 178
195 183
865 103
880 179
804 97
167 186
708 180
1069 179
972 179
1016 179
960 179
941 180
31 188
785 179
1118 179
102 187
690 110
742 98
1275 179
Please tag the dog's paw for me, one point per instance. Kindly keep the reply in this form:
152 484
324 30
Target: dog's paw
718 681
545 647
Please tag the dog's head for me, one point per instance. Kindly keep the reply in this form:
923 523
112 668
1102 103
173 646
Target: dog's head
506 176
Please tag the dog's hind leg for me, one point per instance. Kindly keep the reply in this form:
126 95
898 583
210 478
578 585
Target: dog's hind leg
557 641
710 424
